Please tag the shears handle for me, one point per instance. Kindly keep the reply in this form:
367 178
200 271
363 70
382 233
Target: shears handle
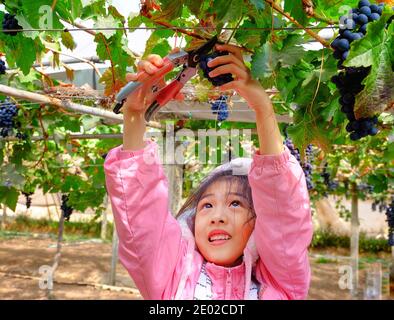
143 79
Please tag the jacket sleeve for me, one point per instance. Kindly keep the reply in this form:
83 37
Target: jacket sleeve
150 241
283 229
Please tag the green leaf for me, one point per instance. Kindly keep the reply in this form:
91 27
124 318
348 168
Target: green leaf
296 10
261 62
9 196
363 51
107 22
378 181
378 93
228 10
259 4
194 6
170 10
22 51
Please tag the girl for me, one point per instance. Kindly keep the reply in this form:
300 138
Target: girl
243 234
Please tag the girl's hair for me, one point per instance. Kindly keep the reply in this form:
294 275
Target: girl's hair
242 187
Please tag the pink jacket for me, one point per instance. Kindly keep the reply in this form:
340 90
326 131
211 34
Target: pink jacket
159 251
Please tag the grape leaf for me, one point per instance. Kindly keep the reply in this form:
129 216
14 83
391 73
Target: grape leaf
107 22
262 61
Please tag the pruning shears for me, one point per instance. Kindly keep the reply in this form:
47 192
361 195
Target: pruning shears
189 60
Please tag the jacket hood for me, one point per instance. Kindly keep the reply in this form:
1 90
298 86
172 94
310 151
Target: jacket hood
239 166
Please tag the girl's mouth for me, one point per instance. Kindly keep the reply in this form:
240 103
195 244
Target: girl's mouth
219 239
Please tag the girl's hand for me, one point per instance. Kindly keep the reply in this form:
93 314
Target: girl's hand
250 89
142 98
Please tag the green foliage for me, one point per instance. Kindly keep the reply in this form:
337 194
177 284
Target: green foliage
324 239
277 58
71 229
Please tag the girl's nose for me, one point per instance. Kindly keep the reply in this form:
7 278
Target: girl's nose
219 216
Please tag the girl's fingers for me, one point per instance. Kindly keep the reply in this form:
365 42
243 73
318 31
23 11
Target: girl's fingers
131 77
225 59
237 51
147 66
233 85
155 60
230 68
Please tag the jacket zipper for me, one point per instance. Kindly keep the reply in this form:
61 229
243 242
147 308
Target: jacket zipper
228 286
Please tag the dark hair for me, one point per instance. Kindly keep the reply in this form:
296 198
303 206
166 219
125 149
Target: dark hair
242 184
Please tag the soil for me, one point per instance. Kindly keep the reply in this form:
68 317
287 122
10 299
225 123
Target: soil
84 268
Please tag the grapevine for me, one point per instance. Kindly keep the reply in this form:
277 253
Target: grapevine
66 209
10 23
218 80
219 107
8 111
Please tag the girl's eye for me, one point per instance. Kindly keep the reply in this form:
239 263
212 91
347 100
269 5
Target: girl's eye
206 205
236 203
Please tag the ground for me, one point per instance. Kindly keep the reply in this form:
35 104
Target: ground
84 268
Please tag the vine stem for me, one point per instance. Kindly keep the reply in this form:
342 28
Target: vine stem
288 16
78 58
110 58
145 12
74 107
45 135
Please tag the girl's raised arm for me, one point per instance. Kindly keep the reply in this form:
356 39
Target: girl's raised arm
283 227
150 241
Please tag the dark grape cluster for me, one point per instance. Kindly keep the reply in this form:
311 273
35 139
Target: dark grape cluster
66 209
218 80
28 198
349 81
306 165
10 23
2 67
365 188
379 204
349 84
331 184
219 107
8 111
390 221
354 27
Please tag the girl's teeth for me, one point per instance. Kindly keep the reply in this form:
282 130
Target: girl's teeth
221 237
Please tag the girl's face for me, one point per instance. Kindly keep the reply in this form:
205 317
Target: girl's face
222 228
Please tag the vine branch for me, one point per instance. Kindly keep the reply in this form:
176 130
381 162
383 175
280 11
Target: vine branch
288 16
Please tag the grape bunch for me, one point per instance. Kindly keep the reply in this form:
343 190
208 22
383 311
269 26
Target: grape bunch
2 67
66 209
331 185
10 23
390 221
28 198
307 164
379 204
365 188
349 81
349 85
8 111
354 27
218 80
219 107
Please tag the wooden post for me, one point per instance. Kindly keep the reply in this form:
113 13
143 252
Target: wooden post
104 219
58 254
114 258
354 241
4 220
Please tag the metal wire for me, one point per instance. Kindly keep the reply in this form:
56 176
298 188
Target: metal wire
163 28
